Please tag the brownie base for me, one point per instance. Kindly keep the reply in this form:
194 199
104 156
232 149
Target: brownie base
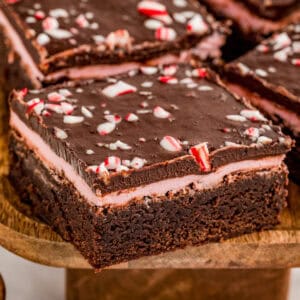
244 203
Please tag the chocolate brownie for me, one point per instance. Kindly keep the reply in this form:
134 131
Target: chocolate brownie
56 40
257 18
269 77
147 163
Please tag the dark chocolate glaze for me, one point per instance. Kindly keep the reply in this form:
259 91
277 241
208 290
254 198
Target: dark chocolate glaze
103 17
196 117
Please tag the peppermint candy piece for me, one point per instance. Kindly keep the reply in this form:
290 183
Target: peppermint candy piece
197 25
65 92
168 79
120 38
153 24
253 115
296 62
43 39
199 73
160 113
36 105
201 155
112 162
119 145
73 119
252 133
118 89
60 134
59 34
151 8
281 40
50 24
82 21
23 92
100 170
165 34
131 117
39 15
116 119
58 13
137 163
54 107
86 112
55 97
67 108
263 140
106 128
149 70
169 70
170 144
236 118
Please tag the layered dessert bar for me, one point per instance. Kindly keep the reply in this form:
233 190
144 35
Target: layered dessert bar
50 41
269 77
136 166
257 18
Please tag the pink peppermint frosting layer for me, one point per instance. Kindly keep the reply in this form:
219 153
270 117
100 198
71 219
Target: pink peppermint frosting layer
290 118
201 182
209 47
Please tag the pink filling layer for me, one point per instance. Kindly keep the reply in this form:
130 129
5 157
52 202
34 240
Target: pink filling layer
209 47
290 118
59 165
19 48
249 21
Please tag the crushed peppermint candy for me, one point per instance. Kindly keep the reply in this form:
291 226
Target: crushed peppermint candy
106 128
171 144
168 79
151 8
201 155
86 112
131 117
118 89
253 115
137 163
252 133
161 113
236 118
37 105
165 34
60 134
197 25
73 119
112 162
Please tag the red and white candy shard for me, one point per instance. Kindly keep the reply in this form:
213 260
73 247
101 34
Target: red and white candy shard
151 8
171 144
120 38
169 70
253 115
168 79
116 119
23 92
165 34
60 134
118 89
199 73
58 13
112 162
101 170
50 24
67 108
119 145
281 40
106 128
55 97
43 39
82 21
137 163
160 113
59 34
252 133
236 118
201 155
86 112
36 105
39 15
54 107
73 119
296 62
131 117
197 25
65 92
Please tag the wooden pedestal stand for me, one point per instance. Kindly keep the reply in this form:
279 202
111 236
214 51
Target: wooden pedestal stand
251 267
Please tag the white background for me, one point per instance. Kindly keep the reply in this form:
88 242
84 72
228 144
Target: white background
28 281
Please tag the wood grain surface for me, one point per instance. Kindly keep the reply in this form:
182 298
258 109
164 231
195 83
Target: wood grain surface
27 237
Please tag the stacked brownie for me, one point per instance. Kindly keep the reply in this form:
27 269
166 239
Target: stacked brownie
269 77
50 41
121 141
140 165
257 18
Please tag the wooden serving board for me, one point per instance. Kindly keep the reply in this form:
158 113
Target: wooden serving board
33 240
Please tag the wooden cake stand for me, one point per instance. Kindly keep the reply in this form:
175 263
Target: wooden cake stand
250 267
